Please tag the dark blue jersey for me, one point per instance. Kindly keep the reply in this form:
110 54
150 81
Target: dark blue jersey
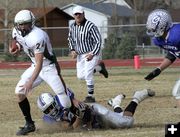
172 41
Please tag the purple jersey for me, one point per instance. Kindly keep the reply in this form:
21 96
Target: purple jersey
172 41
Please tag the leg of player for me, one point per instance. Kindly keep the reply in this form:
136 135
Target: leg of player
25 108
101 68
89 67
176 92
90 98
138 97
116 102
24 104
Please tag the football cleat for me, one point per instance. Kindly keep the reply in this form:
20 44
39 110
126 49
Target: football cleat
103 71
28 127
89 99
143 94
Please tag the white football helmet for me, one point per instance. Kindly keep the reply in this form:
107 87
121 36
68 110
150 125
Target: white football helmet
158 22
24 17
48 105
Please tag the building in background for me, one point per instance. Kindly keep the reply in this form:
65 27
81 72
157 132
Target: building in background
55 18
104 14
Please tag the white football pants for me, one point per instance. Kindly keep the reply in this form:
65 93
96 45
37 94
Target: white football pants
85 69
110 119
176 89
48 74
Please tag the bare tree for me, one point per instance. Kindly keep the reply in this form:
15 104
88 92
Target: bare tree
8 11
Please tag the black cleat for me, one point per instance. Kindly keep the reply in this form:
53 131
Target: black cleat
28 127
103 71
89 99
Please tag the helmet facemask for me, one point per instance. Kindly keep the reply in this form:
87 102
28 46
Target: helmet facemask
24 22
52 110
24 30
157 32
48 105
159 21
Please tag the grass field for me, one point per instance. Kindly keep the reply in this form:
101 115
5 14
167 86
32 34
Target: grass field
150 117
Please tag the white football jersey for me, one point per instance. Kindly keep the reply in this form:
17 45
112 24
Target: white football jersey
37 41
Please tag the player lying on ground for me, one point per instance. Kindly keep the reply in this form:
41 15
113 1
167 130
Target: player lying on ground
91 116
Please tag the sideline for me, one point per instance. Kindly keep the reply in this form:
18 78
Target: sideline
109 63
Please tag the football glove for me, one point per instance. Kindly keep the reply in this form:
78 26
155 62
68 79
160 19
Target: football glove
153 74
81 108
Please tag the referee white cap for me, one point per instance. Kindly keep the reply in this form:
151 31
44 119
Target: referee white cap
78 9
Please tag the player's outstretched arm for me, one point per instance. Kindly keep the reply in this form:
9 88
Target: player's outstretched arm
153 74
166 63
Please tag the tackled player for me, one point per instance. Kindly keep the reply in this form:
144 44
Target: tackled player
91 116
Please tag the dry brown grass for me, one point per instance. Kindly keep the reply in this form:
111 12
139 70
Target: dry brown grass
150 118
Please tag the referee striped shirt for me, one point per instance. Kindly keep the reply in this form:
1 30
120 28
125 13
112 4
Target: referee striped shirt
84 38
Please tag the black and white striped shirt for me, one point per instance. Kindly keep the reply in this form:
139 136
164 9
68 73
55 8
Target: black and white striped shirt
84 38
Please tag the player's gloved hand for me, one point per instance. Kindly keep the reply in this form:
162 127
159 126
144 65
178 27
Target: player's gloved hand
153 74
81 108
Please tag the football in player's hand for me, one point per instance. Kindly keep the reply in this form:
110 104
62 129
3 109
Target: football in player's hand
15 45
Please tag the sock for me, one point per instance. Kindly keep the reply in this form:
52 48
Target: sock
97 68
94 70
25 108
135 100
90 95
118 109
90 89
131 107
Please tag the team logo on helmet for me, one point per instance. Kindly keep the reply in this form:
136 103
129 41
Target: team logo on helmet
156 19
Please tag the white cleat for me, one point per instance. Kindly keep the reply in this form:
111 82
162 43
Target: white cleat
116 101
143 94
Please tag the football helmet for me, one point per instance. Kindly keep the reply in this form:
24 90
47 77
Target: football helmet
48 105
158 22
24 17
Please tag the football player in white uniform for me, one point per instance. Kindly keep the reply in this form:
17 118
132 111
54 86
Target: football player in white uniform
36 44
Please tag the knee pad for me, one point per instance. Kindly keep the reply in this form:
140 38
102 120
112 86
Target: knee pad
126 121
176 90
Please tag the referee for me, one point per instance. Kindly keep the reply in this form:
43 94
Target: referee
85 45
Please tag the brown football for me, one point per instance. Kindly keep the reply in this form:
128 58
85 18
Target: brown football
14 45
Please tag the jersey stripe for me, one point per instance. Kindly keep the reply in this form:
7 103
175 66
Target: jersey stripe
84 38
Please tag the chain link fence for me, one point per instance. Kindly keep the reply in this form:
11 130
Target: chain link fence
144 46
